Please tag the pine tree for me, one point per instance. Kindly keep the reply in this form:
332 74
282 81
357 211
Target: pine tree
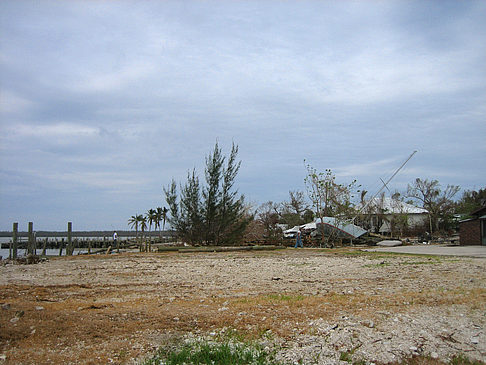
171 197
191 217
213 214
233 221
212 194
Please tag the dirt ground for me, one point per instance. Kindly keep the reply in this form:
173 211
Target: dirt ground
310 305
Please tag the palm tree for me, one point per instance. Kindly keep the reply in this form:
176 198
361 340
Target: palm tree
158 219
151 218
133 223
142 222
160 216
164 216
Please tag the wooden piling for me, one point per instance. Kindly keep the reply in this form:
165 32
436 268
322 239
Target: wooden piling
69 248
61 246
30 244
15 230
45 246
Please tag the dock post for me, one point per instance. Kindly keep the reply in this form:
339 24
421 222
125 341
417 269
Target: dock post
69 247
30 244
15 231
45 246
61 245
34 235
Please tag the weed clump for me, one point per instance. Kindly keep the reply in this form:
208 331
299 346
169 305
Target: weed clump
205 352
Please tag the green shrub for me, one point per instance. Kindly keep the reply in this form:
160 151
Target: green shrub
346 356
463 360
213 353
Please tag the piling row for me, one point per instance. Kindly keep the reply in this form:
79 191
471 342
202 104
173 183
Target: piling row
32 245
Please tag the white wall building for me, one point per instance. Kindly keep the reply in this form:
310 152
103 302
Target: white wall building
382 211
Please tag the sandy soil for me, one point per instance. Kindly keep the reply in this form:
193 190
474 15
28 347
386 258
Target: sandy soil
310 305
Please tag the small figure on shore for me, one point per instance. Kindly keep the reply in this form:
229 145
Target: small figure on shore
298 239
115 238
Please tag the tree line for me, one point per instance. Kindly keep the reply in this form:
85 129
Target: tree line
143 221
210 210
345 202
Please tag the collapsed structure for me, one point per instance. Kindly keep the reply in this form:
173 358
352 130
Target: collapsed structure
332 226
378 215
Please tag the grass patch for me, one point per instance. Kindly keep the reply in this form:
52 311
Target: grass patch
429 262
251 302
285 298
422 259
381 264
301 264
234 335
384 255
272 311
346 356
204 352
463 360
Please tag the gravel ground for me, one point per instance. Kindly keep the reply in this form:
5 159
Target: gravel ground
466 251
313 306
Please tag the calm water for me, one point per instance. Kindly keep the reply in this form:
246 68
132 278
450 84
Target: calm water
49 252
54 252
59 239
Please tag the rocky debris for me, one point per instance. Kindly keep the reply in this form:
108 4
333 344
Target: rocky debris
18 315
391 339
392 309
355 340
27 260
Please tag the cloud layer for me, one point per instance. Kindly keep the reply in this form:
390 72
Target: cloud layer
102 103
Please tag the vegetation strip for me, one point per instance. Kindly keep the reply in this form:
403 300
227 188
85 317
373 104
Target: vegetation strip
206 352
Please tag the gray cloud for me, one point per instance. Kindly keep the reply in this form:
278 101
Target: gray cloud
102 103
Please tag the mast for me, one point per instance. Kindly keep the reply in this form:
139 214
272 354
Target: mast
386 183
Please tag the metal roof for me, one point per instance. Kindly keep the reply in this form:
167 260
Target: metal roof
393 206
346 227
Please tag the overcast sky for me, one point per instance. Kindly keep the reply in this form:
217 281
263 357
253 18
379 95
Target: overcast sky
103 102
